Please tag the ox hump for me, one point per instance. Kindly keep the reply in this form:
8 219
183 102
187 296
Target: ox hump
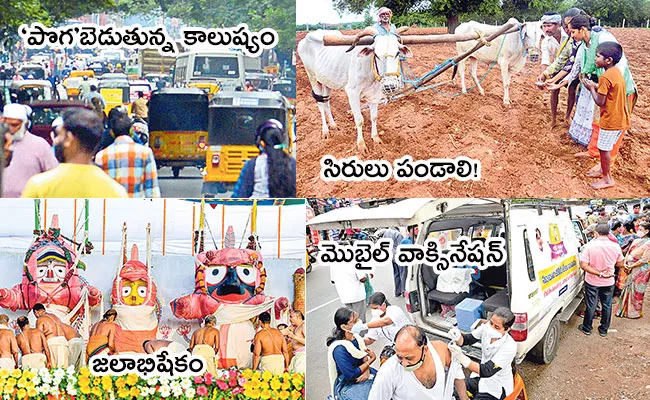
317 36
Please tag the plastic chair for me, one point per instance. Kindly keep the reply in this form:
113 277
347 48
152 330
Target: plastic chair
519 392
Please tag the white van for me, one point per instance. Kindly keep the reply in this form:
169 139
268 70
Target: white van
541 282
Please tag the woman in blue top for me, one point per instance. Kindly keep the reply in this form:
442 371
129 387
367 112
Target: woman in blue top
348 359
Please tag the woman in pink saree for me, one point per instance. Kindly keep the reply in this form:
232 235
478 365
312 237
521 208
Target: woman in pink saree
634 276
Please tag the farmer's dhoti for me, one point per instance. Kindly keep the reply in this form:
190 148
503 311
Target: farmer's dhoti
34 360
59 350
209 354
76 355
274 363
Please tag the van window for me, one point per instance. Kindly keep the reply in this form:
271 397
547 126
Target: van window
578 230
529 257
485 231
445 236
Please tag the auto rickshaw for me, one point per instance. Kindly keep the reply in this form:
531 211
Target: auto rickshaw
210 87
88 73
31 90
233 120
178 127
115 93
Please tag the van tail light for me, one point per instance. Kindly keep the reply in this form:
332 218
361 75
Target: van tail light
202 142
519 331
412 301
216 160
157 143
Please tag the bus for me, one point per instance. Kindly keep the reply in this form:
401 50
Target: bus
222 69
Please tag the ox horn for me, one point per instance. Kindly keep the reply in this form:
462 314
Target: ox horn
366 32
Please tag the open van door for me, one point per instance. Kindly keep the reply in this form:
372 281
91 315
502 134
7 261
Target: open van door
402 213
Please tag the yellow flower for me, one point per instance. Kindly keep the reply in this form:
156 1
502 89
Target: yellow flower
97 381
31 392
107 383
284 395
286 385
123 393
84 371
96 391
120 382
257 375
85 389
267 375
247 373
22 382
252 384
286 376
275 384
135 392
264 385
29 374
297 382
9 389
295 395
83 381
252 393
4 373
21 393
16 373
132 379
266 394
11 382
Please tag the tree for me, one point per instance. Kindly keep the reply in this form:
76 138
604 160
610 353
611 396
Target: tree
614 11
450 9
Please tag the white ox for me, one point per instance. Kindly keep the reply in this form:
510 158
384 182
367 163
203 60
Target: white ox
331 67
511 58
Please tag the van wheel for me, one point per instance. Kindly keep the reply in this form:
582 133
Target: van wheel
176 171
544 352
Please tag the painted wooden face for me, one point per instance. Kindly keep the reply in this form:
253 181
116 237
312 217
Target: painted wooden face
51 267
134 293
234 283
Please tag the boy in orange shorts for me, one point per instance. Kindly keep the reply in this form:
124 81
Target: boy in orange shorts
609 95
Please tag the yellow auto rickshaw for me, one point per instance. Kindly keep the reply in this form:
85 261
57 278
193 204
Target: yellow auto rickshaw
115 93
210 87
178 127
90 74
233 120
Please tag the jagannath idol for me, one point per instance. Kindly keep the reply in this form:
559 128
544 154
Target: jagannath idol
229 284
50 277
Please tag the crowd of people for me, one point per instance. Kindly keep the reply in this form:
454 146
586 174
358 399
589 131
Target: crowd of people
616 265
576 52
54 344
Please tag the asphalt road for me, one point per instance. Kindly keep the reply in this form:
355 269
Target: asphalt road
188 185
322 303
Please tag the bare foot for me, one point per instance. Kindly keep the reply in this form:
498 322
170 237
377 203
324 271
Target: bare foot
595 172
552 124
582 154
602 183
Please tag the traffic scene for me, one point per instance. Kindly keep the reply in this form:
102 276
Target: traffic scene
171 126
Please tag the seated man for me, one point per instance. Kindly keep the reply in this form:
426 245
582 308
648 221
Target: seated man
205 343
33 345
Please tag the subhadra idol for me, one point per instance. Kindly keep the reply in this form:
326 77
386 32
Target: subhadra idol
134 298
229 284
50 277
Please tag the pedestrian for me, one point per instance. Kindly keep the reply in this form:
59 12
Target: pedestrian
141 107
399 271
131 164
31 154
634 275
76 177
273 172
491 379
93 93
349 286
420 369
599 257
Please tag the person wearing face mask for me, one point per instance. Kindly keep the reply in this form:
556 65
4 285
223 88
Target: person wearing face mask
386 322
31 155
419 370
75 144
348 359
634 276
492 378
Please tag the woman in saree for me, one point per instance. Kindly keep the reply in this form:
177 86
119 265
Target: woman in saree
585 125
634 276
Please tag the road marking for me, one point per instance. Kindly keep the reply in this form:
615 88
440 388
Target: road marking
323 305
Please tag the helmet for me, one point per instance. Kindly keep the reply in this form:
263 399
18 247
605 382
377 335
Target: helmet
118 65
270 124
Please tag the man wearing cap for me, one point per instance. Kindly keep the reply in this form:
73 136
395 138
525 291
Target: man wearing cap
75 144
31 154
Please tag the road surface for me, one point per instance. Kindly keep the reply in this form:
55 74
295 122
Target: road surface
187 185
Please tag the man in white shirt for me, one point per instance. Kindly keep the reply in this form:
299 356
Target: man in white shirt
349 285
419 370
553 37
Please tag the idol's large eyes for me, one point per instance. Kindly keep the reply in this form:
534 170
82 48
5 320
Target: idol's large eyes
214 275
59 272
246 275
126 291
142 291
40 271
